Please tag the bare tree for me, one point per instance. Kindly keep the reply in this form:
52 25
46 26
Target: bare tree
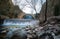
33 4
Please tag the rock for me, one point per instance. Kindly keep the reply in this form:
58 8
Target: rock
53 9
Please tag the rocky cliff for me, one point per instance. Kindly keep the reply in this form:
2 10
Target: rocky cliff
53 9
8 10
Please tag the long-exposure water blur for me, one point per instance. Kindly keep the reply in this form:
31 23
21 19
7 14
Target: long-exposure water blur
29 19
